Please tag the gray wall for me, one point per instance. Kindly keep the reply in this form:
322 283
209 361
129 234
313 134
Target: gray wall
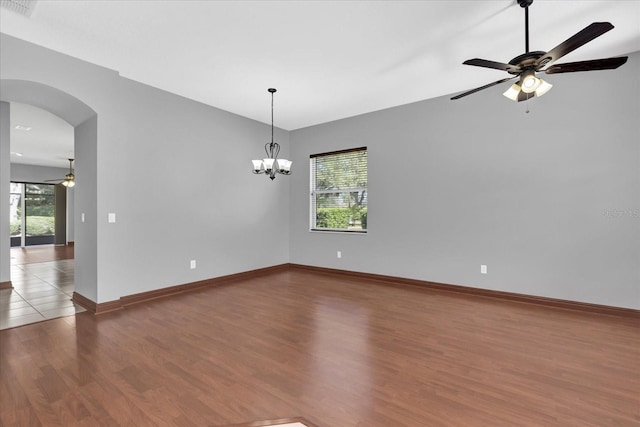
179 180
5 166
549 200
41 174
175 172
86 243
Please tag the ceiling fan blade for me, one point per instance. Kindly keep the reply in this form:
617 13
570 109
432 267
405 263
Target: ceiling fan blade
492 64
478 89
582 37
594 64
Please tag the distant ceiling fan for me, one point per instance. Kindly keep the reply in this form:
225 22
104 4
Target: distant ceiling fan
69 179
526 66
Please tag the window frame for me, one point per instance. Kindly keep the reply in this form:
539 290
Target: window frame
313 192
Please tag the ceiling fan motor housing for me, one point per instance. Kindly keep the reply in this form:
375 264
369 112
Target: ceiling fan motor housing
527 61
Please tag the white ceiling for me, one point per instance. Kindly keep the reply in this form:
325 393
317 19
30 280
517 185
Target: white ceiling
39 137
328 59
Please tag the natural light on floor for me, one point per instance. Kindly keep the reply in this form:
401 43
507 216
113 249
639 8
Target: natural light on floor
277 424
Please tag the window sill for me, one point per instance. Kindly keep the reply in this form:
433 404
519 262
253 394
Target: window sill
321 230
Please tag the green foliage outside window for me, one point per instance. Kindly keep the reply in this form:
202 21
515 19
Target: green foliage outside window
341 218
40 210
14 228
37 226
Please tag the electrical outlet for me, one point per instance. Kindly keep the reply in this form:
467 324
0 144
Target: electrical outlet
193 264
483 269
339 254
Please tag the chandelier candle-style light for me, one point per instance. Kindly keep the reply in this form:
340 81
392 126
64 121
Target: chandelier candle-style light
272 164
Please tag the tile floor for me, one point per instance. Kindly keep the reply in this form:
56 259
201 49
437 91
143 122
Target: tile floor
40 291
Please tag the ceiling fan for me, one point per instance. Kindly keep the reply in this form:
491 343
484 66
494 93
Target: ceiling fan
526 66
69 179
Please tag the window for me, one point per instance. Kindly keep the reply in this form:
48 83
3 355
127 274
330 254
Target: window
339 191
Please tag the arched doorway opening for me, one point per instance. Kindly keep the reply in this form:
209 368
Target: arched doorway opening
84 120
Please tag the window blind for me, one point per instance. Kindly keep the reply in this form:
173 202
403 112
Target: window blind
339 190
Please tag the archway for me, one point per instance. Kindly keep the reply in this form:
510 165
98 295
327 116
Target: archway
84 120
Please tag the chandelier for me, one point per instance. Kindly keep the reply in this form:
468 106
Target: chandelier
272 164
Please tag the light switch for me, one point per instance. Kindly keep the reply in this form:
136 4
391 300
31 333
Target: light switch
112 217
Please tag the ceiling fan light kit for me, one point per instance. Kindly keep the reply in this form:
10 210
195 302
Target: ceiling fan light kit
530 82
527 87
526 66
512 92
69 179
272 165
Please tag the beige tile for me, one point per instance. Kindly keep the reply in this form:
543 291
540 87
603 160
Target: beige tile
59 296
41 291
22 277
10 305
54 305
10 295
38 293
62 311
6 293
32 287
18 312
21 320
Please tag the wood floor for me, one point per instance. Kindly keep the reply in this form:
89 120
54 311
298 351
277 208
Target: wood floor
44 253
340 352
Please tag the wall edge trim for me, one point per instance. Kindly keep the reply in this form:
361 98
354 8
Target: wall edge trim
480 292
142 297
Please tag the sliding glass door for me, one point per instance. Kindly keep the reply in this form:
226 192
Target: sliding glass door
16 208
32 214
